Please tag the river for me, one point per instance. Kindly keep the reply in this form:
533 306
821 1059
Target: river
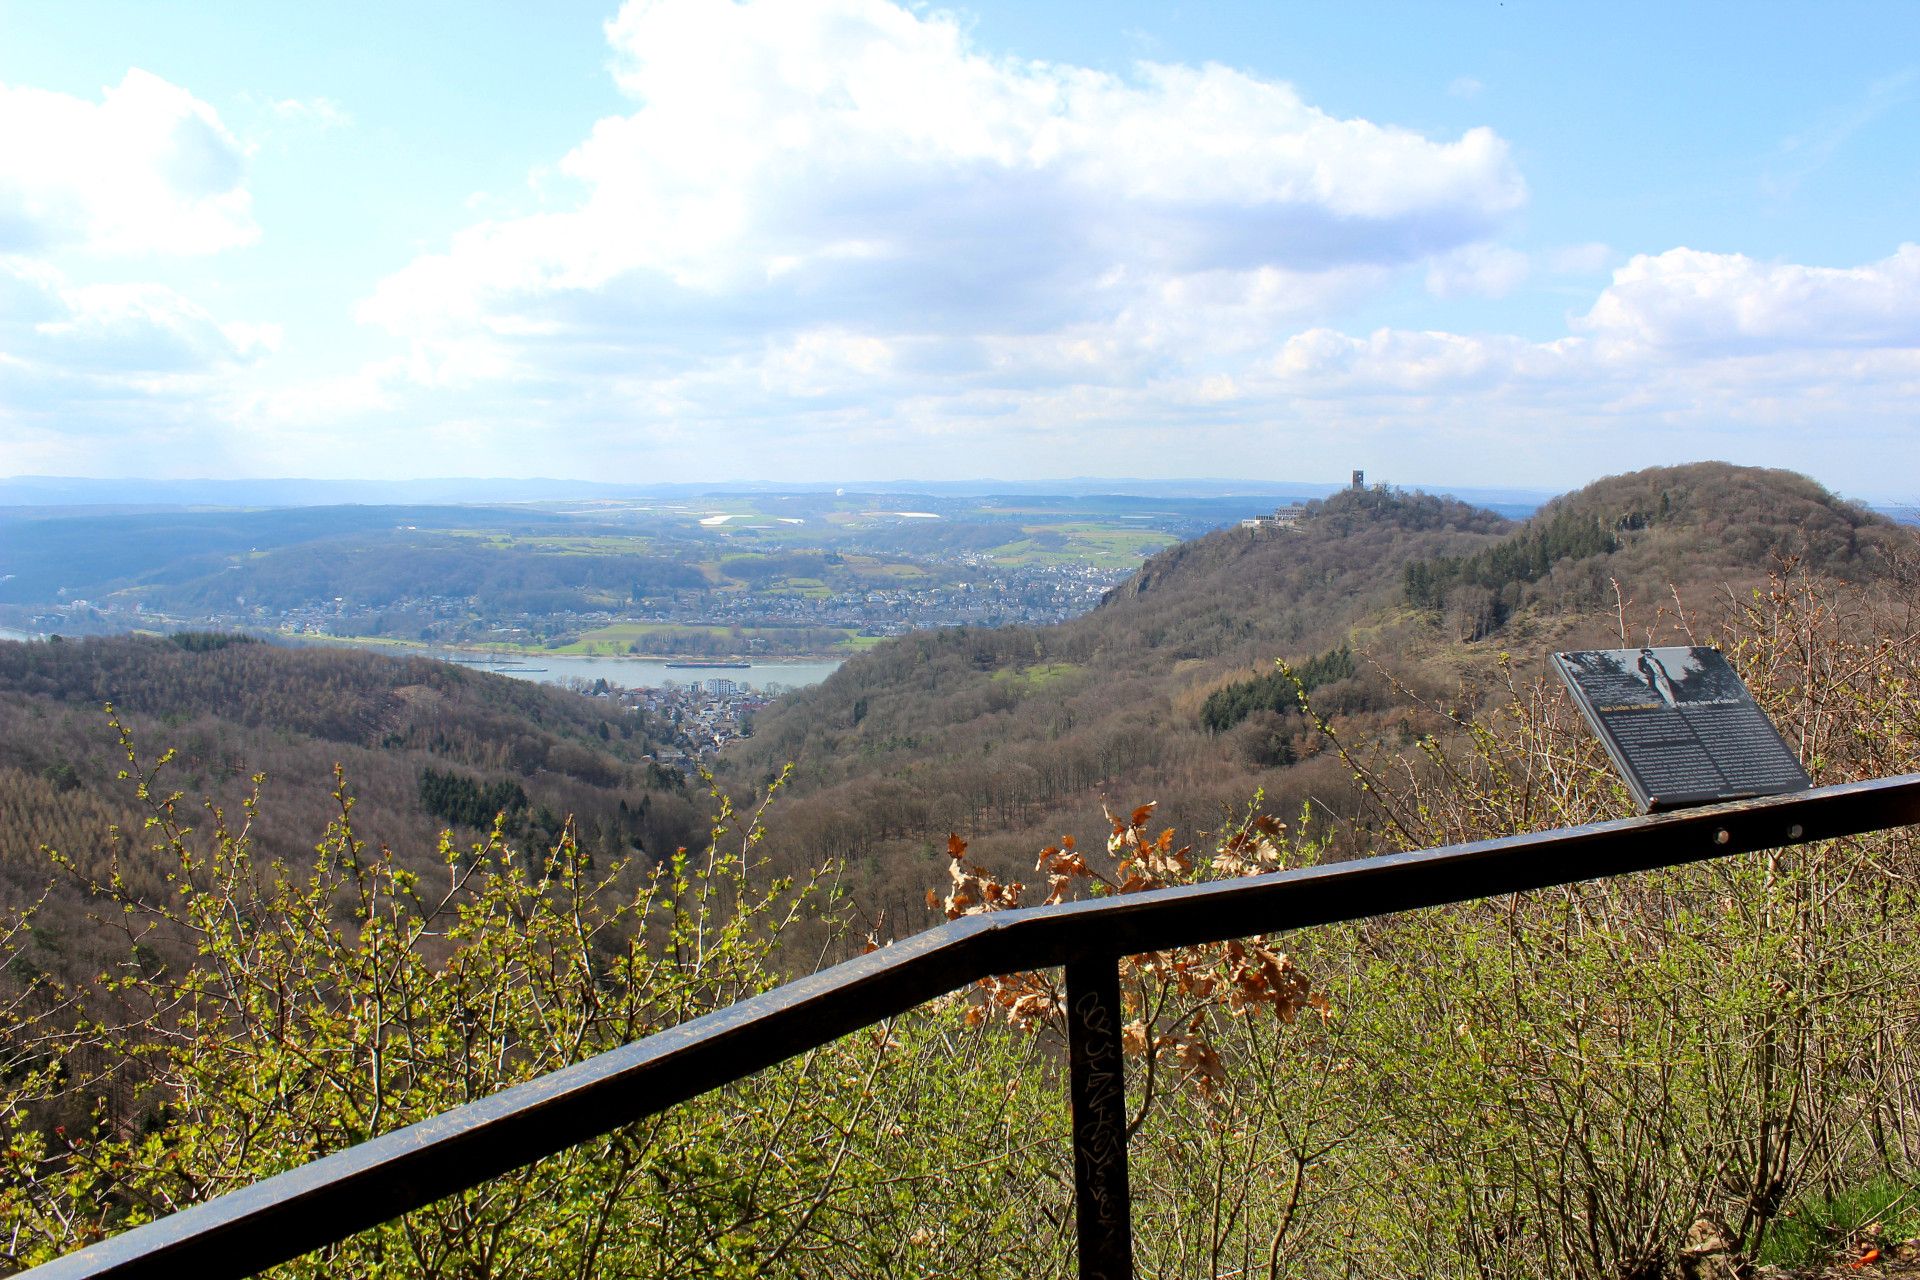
558 668
642 673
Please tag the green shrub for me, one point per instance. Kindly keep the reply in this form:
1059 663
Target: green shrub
1815 1231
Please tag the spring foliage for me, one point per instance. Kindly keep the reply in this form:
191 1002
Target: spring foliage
333 1001
1552 1085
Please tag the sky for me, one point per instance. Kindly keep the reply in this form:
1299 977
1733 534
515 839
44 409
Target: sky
1468 244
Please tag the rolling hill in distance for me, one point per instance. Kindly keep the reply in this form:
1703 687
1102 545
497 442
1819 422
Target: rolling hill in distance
718 573
1010 735
1167 692
1395 609
526 538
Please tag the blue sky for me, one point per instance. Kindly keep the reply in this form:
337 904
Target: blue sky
1457 245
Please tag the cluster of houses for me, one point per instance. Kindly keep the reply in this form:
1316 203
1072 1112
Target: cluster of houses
705 715
1028 595
1282 521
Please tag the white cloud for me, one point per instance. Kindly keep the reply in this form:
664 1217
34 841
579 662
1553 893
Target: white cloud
116 330
823 361
1465 87
139 328
1324 362
846 166
133 371
1685 301
129 373
147 169
340 399
1684 325
114 377
1683 355
834 237
833 233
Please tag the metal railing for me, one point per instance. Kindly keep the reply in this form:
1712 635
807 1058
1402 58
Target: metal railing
292 1213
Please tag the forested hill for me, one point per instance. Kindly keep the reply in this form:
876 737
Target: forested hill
332 694
1166 692
1705 523
424 745
1013 735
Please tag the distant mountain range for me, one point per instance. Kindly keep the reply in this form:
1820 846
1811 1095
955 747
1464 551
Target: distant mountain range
1014 735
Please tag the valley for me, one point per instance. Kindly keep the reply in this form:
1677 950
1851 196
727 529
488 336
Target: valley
425 867
716 575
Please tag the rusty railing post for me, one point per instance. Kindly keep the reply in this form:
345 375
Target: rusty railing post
1103 1209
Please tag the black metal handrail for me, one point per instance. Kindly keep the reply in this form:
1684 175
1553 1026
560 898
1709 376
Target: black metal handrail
295 1212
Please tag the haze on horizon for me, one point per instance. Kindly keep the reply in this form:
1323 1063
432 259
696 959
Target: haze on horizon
800 240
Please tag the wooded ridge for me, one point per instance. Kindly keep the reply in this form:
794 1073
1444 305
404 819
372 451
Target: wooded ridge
1558 1084
423 745
1169 690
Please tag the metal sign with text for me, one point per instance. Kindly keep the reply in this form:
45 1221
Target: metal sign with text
1680 725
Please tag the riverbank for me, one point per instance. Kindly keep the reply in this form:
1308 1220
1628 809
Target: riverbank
628 671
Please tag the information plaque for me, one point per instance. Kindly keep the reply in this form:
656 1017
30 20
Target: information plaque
1680 726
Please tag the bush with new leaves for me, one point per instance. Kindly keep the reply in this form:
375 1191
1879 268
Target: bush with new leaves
268 1014
1554 1085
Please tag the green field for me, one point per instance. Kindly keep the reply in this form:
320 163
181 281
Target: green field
556 544
1101 546
748 531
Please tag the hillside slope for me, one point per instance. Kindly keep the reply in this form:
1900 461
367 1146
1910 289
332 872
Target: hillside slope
1707 524
423 745
1165 692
